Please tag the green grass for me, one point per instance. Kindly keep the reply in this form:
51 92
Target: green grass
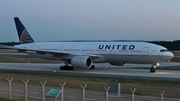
5 99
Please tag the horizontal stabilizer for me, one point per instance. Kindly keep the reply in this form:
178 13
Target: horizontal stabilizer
6 47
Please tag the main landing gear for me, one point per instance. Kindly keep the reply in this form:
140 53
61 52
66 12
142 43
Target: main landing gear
153 68
66 67
70 67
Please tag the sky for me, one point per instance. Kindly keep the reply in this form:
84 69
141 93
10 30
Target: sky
58 20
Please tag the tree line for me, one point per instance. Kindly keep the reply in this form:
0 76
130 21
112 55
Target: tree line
170 45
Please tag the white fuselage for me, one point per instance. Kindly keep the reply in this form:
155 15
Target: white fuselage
114 53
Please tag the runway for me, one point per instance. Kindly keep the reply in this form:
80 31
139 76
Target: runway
105 70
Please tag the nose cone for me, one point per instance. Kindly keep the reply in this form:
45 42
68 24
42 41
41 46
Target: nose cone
166 56
171 55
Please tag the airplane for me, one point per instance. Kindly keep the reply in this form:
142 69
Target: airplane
83 55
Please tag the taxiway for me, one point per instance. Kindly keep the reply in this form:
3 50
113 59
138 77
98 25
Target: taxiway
128 71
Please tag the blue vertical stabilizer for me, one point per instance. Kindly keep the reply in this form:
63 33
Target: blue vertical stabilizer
23 34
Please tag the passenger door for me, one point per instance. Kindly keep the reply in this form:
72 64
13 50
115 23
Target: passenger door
145 51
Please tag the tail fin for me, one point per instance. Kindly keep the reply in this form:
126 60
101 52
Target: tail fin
23 34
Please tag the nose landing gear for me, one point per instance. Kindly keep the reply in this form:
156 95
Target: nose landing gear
153 69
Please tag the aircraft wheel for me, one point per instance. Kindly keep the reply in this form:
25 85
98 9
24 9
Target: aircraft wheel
152 70
66 67
61 68
71 68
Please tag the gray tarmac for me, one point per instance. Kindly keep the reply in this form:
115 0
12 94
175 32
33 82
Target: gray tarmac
105 70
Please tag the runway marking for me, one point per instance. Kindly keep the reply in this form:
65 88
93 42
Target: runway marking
89 99
14 58
70 97
19 91
35 92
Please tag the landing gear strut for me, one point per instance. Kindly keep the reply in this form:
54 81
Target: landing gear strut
153 68
66 67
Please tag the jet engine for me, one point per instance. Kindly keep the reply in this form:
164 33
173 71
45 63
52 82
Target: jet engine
81 62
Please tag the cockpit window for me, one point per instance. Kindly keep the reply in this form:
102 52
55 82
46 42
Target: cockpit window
164 50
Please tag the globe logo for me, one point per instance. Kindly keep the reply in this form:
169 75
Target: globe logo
25 37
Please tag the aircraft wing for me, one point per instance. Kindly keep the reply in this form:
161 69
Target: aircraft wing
62 53
54 52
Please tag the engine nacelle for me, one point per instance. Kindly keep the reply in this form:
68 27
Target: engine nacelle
81 62
118 64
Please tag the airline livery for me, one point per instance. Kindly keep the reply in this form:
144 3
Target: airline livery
85 54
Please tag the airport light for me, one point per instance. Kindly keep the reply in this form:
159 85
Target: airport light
133 91
83 87
106 89
43 84
62 92
158 64
25 82
10 80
